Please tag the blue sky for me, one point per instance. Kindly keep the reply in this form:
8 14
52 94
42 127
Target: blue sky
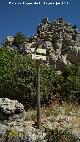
25 18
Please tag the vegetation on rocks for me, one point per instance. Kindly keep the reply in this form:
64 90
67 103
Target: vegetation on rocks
18 80
59 136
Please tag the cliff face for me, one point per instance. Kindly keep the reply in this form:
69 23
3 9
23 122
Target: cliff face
60 39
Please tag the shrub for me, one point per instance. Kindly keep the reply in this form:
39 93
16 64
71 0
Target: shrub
59 136
18 80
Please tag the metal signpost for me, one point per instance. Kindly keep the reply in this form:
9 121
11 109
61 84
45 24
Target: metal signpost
38 55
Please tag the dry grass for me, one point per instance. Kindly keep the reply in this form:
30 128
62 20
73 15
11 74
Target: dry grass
67 109
65 116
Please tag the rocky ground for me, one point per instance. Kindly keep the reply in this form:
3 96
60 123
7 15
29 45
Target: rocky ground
61 117
66 116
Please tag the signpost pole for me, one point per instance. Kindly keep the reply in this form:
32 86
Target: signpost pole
38 96
38 55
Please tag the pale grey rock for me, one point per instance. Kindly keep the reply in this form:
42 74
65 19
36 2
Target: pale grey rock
10 108
27 48
48 45
59 38
10 40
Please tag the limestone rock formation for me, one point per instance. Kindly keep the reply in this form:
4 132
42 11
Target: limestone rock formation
11 109
60 39
63 41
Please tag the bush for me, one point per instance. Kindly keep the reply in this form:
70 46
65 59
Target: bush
71 82
17 76
59 136
18 80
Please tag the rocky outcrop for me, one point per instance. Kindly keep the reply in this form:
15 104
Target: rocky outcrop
60 39
13 123
17 128
11 109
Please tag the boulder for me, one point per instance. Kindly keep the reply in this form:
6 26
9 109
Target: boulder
10 108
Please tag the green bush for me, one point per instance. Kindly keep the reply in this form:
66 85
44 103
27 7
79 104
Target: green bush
18 80
71 82
17 76
59 136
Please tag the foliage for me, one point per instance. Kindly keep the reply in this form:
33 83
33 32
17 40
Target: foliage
12 135
16 75
18 80
48 79
19 39
59 135
51 136
71 82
